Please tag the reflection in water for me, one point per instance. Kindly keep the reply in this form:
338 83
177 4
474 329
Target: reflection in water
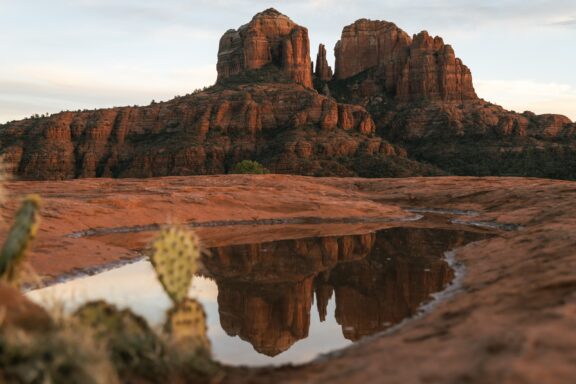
325 292
378 279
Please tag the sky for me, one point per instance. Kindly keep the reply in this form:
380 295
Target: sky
85 54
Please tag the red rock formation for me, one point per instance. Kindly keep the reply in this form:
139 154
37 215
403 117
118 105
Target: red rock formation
288 128
271 38
421 97
323 71
412 92
422 68
255 112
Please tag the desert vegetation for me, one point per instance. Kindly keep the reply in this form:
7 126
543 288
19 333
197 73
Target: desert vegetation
98 342
249 167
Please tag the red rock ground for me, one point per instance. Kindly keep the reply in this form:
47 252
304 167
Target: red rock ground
513 320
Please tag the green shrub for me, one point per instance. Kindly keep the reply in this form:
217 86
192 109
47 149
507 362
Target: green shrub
249 167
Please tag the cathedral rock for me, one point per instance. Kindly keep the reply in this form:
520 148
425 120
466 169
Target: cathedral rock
395 106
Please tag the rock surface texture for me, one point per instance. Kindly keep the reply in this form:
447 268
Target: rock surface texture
262 108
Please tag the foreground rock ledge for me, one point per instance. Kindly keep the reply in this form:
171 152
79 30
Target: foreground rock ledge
513 322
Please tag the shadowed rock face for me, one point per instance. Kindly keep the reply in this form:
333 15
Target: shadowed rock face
271 38
18 312
378 279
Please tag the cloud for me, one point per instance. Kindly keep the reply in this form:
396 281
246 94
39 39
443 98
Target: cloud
39 89
522 95
565 22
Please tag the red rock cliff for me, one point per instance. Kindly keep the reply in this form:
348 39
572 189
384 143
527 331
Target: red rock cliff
271 38
422 68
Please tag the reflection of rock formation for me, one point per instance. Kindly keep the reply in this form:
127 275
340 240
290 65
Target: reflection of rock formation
286 260
404 268
271 317
266 290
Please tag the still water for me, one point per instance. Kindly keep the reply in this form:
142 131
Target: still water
289 301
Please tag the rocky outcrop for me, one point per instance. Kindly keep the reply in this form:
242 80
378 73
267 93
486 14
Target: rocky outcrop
422 68
288 128
323 71
271 38
421 98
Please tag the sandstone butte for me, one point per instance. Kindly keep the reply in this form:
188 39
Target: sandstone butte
395 106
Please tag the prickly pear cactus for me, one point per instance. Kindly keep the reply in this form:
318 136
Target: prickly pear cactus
175 254
19 238
186 322
132 344
107 319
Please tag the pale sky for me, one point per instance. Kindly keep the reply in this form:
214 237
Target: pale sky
75 54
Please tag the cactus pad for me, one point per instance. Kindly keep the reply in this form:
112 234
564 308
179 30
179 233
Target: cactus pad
127 336
107 319
19 238
186 323
175 254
